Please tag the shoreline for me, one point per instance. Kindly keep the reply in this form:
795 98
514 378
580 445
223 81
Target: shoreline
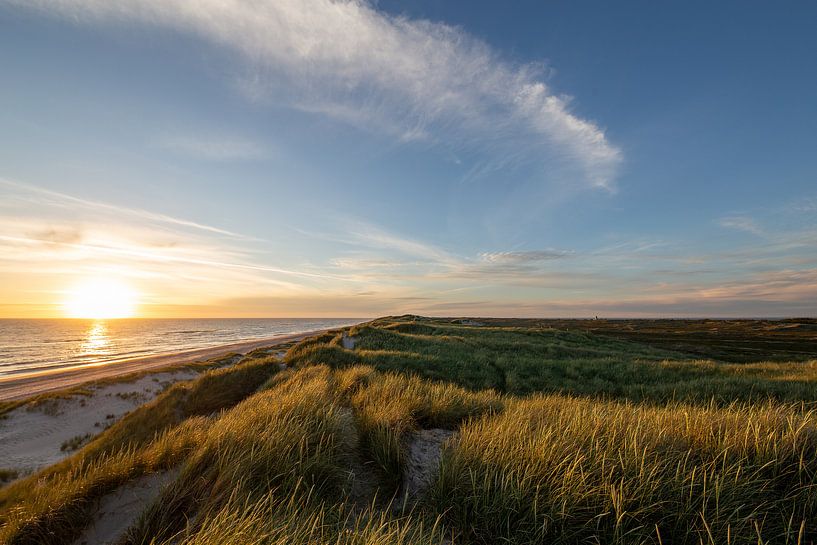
28 384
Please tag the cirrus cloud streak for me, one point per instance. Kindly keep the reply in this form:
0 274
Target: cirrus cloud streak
412 79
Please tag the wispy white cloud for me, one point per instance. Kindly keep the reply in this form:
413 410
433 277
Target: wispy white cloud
654 272
371 267
781 285
804 205
357 263
741 223
414 79
47 247
531 256
363 244
371 236
55 198
381 256
216 148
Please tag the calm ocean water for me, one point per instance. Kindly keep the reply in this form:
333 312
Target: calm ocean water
36 344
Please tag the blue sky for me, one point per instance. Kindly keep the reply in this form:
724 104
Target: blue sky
307 157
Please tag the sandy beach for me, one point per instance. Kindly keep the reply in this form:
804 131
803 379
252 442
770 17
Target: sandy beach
23 385
33 437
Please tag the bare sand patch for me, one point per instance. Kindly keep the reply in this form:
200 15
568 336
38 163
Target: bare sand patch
120 509
38 435
348 342
422 463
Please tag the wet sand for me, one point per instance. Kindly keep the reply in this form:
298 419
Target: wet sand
23 385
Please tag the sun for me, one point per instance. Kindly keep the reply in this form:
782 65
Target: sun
100 298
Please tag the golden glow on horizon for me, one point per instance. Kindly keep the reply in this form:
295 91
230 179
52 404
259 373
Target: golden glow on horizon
100 298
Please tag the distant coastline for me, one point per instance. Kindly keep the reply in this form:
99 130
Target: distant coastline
34 345
28 384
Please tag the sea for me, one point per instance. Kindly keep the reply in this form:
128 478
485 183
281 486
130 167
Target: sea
31 345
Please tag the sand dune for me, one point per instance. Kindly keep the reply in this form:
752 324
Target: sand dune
32 437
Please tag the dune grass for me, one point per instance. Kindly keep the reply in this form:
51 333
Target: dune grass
287 437
561 437
295 520
56 502
390 406
7 475
298 434
297 442
556 469
522 361
55 508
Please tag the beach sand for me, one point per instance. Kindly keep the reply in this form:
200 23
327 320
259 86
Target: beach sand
33 436
39 434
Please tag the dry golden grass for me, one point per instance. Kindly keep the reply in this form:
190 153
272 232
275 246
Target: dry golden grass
566 470
54 504
389 406
633 448
297 520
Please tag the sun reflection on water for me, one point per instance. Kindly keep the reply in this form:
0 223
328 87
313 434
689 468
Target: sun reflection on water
97 339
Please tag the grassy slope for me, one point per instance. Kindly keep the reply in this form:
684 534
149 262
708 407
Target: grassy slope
521 361
158 435
617 443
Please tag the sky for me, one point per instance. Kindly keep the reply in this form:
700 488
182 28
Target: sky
305 158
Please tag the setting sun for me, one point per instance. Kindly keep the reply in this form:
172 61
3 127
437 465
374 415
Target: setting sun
100 298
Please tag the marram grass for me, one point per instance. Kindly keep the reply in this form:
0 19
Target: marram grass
561 438
557 469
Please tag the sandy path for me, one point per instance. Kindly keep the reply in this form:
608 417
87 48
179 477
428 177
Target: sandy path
422 464
119 510
20 386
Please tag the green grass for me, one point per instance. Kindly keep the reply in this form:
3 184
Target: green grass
522 361
734 340
561 437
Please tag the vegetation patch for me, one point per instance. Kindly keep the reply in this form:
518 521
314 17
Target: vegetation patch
739 341
7 475
555 469
497 433
75 442
521 361
58 500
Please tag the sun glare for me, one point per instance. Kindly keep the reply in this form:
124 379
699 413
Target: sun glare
100 298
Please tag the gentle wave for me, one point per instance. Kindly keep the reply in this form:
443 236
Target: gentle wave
28 345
